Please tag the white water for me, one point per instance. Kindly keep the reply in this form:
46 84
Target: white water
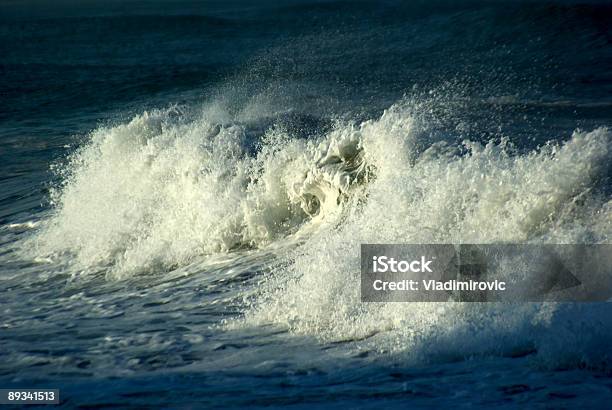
157 192
164 191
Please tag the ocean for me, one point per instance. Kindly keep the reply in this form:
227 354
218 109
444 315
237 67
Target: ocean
185 186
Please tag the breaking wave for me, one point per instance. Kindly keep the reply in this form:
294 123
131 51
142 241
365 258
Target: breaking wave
166 189
445 193
160 190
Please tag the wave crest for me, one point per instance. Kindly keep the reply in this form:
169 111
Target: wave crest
160 190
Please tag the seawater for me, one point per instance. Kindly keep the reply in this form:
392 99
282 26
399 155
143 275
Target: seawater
184 188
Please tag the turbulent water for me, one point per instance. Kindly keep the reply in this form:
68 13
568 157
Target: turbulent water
184 188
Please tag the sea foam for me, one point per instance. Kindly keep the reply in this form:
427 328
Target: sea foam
164 190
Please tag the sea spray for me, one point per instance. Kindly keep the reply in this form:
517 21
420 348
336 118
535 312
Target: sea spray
473 193
156 192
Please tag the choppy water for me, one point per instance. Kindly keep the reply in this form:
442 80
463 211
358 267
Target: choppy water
184 188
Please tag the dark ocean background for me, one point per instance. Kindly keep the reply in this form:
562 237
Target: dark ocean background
101 298
534 68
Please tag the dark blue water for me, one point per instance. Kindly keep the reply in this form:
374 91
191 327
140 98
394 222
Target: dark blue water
118 281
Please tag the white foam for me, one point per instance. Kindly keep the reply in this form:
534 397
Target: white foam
162 190
488 193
